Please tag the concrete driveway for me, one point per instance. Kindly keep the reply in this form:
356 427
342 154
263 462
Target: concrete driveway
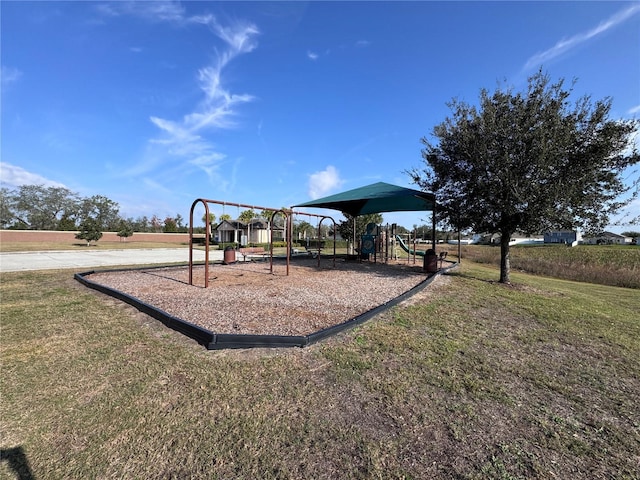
23 261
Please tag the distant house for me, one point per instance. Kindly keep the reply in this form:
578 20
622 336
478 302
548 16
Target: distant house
255 231
522 239
608 238
517 238
466 240
568 237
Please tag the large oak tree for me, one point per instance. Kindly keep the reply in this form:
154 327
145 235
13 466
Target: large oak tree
36 207
530 162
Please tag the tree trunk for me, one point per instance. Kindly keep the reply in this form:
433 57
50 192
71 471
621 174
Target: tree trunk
505 262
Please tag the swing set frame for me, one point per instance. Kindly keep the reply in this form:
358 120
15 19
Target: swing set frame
288 214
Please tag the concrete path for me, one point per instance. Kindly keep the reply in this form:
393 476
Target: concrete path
23 261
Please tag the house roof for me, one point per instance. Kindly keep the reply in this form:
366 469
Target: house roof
610 235
376 198
230 224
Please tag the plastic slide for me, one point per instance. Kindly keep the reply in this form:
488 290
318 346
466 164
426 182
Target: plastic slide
403 245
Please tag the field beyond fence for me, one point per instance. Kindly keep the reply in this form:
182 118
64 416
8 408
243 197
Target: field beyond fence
614 265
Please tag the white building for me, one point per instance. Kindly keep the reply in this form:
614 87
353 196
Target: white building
608 238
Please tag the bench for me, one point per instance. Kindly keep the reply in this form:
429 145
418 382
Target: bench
252 251
314 247
314 251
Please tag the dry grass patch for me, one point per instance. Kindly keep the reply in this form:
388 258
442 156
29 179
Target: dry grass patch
614 265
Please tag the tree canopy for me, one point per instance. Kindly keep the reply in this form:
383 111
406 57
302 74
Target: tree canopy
89 230
529 162
36 207
247 215
304 229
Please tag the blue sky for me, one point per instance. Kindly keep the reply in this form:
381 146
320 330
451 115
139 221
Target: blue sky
155 104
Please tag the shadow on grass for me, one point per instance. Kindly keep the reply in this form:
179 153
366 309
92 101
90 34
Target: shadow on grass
488 281
469 276
17 462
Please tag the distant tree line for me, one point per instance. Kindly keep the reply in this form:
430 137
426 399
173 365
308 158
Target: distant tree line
36 207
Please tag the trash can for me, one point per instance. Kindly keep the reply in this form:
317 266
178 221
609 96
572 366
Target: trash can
430 261
229 255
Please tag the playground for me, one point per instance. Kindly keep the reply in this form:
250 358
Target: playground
293 299
244 298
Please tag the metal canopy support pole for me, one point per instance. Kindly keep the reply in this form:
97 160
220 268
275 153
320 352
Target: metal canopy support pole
414 245
433 227
353 243
289 222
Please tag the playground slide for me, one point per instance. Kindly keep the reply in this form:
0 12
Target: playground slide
403 245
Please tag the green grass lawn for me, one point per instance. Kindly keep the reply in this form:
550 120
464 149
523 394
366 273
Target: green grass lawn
472 379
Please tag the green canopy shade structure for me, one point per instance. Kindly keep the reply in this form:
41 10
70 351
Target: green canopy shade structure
376 198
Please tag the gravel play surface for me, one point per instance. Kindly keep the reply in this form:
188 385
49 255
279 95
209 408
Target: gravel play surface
245 298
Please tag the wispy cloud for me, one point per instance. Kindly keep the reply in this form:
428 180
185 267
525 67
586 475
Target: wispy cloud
184 139
14 176
239 35
359 44
323 182
154 186
9 75
159 11
634 110
570 43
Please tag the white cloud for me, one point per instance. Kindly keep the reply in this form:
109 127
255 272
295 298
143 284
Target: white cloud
158 11
161 10
363 43
156 186
9 75
175 132
634 110
14 176
312 55
239 35
182 140
323 182
565 45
